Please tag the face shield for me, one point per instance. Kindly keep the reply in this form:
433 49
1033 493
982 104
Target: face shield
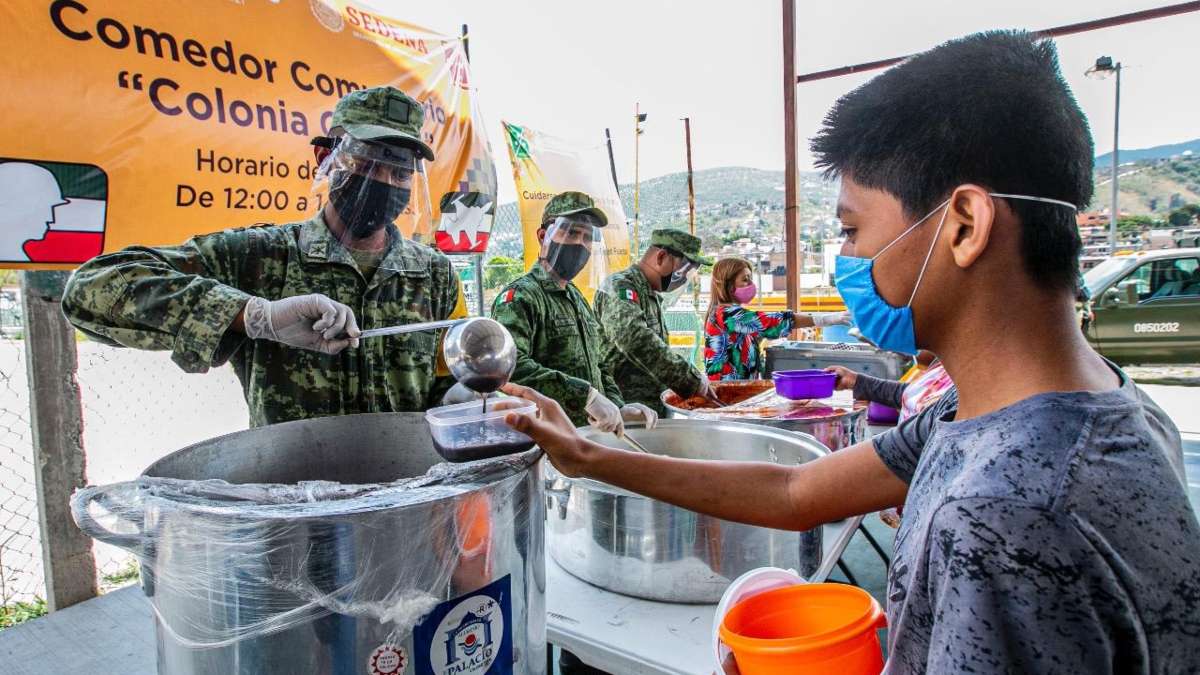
574 246
370 185
675 285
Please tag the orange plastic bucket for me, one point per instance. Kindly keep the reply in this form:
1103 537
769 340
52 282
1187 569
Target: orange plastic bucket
809 628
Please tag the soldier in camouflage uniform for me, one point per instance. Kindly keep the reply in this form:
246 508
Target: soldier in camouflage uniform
558 341
628 305
283 303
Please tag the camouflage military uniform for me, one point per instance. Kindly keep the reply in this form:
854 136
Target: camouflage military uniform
558 341
637 349
184 298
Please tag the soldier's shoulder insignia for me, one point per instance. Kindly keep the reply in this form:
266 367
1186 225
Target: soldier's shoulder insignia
630 295
507 296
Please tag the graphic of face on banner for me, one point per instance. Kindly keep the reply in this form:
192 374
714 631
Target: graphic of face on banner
545 165
150 121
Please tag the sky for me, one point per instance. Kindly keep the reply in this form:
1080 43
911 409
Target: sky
573 68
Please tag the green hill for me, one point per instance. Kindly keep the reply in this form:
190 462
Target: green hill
1151 187
737 202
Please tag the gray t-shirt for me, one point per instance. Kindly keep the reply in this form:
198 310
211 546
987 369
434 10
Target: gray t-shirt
1053 535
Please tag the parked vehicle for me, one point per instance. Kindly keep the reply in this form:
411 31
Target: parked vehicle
1145 307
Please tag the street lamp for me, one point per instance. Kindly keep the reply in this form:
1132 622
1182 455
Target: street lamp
1103 68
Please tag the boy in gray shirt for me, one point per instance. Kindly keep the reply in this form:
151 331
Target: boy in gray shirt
1045 528
1033 537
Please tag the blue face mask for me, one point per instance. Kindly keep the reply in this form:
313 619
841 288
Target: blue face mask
889 327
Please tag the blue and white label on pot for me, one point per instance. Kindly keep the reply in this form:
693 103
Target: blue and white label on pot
469 635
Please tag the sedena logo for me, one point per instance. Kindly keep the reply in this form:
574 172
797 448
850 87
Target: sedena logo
329 17
1163 327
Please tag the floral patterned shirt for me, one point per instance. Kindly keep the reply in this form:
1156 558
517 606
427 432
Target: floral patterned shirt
732 336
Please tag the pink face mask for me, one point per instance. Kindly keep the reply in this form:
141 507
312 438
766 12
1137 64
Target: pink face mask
745 294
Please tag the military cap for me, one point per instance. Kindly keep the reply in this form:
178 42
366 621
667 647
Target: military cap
569 203
382 114
680 242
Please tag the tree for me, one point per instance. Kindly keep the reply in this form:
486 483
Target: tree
499 271
1184 215
1135 223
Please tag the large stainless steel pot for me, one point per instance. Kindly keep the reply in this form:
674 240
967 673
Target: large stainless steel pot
835 426
263 588
638 546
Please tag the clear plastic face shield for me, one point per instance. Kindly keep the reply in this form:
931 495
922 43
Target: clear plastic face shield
369 185
681 279
573 246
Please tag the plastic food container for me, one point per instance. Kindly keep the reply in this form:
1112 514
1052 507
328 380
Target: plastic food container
466 432
804 384
820 629
878 413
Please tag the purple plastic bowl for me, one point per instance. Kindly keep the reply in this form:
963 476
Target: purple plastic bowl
798 385
878 413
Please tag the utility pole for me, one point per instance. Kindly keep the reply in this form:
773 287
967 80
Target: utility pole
1103 68
791 206
687 134
1116 162
638 118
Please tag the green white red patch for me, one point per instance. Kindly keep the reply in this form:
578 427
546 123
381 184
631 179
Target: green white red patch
631 295
508 296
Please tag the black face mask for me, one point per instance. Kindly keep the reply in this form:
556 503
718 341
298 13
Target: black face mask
364 205
568 258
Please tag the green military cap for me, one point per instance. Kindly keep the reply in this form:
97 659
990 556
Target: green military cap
382 114
569 203
681 242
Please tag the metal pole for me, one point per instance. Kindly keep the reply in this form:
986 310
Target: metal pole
687 133
637 183
1057 31
1116 214
612 163
791 231
477 257
698 338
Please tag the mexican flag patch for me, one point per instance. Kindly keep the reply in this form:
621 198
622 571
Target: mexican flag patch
508 296
631 295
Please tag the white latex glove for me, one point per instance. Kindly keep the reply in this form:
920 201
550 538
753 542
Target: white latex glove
635 411
831 319
707 392
311 321
603 414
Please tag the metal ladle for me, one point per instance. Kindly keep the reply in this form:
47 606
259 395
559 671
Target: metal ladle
632 443
409 328
480 354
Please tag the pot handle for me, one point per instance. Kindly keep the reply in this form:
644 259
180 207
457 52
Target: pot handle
80 511
557 496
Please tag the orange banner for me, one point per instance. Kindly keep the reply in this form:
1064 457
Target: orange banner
149 121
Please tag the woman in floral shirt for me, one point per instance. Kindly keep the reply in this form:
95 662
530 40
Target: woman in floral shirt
733 333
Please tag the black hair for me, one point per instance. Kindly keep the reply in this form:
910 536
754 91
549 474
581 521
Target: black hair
990 108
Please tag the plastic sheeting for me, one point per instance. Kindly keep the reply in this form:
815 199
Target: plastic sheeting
225 562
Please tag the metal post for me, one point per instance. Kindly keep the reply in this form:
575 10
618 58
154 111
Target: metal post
612 163
56 416
637 184
479 283
478 257
1116 214
698 344
791 231
687 133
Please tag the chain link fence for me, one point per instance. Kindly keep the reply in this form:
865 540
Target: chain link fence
137 407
